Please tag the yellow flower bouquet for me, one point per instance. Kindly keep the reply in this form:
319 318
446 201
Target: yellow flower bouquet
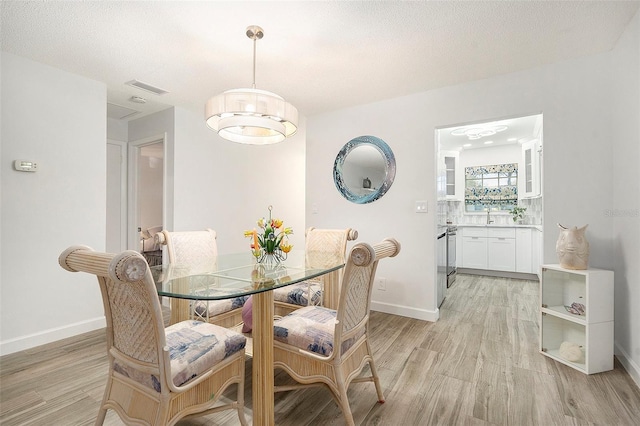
270 244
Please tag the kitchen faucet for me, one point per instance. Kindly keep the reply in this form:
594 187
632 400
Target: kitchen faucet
489 221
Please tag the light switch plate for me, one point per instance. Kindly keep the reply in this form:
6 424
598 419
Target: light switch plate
422 206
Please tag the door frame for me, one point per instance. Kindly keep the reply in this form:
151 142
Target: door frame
122 190
133 235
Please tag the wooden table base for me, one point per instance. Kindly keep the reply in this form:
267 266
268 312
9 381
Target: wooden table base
262 378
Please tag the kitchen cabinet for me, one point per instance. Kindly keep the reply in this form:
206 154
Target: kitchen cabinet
474 248
501 249
589 332
524 251
453 175
536 250
529 181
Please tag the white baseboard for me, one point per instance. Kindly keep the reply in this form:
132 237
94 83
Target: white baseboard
421 314
632 368
47 336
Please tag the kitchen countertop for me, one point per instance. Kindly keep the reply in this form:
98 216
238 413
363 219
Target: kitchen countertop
494 225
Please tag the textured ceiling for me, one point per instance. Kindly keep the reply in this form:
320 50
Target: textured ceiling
318 55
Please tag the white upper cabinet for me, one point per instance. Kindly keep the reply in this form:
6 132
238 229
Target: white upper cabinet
453 178
529 177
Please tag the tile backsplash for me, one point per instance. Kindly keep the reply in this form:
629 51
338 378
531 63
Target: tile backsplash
453 211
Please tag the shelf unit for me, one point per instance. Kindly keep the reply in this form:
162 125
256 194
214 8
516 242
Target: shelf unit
593 331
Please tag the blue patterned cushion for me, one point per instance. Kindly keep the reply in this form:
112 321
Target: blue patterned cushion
202 308
194 347
310 328
298 294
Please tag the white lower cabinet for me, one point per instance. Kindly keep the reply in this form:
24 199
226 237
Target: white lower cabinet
576 317
474 248
524 251
507 248
489 248
501 254
474 252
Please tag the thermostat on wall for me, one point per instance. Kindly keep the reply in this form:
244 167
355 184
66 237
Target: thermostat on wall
25 166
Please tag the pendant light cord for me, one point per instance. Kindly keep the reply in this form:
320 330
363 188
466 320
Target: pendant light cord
255 40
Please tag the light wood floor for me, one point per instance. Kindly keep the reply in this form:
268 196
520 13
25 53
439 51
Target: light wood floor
478 365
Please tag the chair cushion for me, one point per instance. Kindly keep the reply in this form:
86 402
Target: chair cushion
298 294
194 347
310 328
211 308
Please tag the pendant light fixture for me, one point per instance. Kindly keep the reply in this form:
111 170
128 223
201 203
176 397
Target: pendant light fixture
251 116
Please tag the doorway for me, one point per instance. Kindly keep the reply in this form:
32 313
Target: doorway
484 171
146 190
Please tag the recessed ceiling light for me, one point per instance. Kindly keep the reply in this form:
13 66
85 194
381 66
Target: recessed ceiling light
488 142
512 139
466 145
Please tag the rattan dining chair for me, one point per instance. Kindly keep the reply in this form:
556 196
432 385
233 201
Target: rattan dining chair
199 249
157 375
321 246
317 345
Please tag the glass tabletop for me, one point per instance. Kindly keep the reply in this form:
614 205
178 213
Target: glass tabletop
233 275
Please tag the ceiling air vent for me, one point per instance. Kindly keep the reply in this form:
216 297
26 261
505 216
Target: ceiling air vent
119 112
146 87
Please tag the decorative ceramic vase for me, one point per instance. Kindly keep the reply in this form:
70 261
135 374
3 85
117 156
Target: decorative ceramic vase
572 248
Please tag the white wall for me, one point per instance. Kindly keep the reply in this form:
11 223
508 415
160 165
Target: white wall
214 183
493 155
58 120
575 98
624 212
228 186
117 129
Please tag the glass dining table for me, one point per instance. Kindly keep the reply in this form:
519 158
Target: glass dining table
233 275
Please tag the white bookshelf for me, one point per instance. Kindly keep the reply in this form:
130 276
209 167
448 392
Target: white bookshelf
593 331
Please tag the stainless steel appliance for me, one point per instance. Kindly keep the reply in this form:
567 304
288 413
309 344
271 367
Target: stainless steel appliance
452 230
441 264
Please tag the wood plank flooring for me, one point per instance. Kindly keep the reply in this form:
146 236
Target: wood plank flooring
478 365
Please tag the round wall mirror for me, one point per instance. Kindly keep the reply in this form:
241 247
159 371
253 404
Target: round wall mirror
364 169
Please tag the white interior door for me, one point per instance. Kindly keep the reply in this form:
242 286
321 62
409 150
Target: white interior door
146 184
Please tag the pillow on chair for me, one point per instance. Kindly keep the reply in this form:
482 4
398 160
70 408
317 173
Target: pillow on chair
247 315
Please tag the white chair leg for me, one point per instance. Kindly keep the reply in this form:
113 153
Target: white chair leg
344 401
376 381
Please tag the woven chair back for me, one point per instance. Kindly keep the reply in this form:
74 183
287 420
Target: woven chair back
326 247
190 247
131 306
357 283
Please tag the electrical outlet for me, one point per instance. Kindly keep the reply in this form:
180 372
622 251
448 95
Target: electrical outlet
382 284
